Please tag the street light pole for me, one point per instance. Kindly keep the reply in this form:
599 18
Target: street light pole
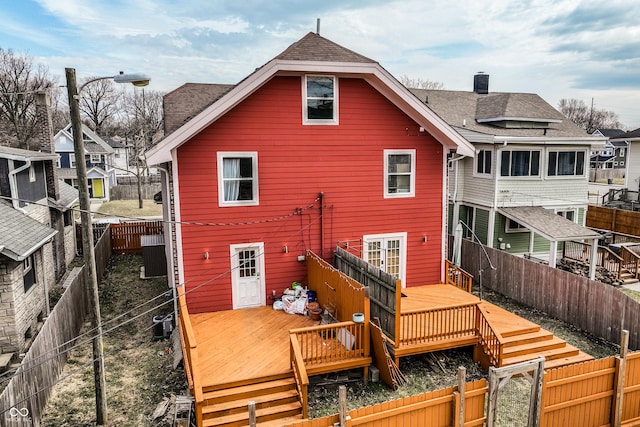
88 249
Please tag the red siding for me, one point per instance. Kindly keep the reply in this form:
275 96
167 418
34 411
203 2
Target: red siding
297 163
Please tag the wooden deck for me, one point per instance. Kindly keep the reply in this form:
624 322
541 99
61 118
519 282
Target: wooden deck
434 296
240 345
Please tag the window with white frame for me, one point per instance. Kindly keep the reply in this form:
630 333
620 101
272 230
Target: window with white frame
72 160
621 153
320 100
58 164
520 163
399 173
569 214
32 173
237 178
95 159
566 163
514 227
483 163
621 162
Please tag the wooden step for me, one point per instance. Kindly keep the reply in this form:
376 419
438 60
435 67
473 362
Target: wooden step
240 405
533 347
563 361
530 337
263 414
556 353
280 421
250 390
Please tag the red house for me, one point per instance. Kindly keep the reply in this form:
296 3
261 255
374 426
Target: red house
320 146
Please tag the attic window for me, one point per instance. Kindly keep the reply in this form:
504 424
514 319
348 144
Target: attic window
320 100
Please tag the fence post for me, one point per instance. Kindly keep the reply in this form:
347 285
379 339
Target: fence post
342 405
462 385
621 362
252 413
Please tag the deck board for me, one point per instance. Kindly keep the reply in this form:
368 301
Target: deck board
434 296
238 345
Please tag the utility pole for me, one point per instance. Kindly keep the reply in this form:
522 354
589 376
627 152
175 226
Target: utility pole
88 249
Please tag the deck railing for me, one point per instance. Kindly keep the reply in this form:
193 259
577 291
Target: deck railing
190 354
440 324
490 338
630 261
458 277
605 258
325 345
300 374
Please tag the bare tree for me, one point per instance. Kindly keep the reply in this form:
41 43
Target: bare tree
20 79
588 118
100 103
419 83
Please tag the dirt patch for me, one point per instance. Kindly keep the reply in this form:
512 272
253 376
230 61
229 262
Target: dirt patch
138 369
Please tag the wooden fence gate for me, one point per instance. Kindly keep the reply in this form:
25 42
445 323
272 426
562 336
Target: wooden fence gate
515 401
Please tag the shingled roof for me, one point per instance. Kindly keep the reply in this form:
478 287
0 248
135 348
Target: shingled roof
470 111
188 100
314 47
20 235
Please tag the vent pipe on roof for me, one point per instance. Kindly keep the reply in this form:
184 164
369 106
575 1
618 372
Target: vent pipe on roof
318 26
481 83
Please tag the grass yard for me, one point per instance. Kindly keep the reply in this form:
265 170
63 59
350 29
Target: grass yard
129 208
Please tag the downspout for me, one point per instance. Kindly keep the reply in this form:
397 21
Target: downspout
321 197
170 243
456 207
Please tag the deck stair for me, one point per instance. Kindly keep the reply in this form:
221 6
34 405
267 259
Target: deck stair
276 399
627 277
520 346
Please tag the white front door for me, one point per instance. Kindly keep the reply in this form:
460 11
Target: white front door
247 276
387 252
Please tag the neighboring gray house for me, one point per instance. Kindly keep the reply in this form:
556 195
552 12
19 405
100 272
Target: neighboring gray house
526 190
609 163
632 172
98 158
120 156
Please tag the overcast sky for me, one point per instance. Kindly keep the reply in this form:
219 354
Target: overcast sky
558 49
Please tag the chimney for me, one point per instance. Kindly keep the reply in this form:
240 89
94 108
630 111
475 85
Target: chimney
481 83
45 141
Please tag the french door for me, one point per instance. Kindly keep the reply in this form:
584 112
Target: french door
387 252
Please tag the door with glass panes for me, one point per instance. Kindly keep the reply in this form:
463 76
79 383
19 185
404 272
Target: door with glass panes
387 252
248 285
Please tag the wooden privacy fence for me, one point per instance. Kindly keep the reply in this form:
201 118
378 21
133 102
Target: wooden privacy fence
617 220
125 237
335 289
438 408
384 289
600 309
29 388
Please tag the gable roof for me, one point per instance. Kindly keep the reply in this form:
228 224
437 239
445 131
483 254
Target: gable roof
95 144
632 134
188 100
611 133
472 115
315 54
20 235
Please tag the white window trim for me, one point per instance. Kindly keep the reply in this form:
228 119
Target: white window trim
254 163
72 160
575 213
93 157
508 229
32 173
498 167
403 250
412 192
27 265
559 150
475 164
305 119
